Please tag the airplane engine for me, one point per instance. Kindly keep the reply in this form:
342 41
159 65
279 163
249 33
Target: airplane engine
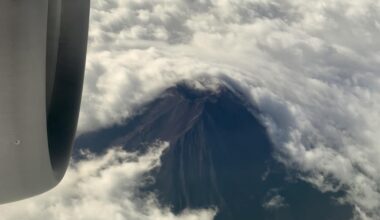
42 59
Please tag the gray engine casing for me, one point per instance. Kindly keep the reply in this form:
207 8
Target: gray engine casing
42 59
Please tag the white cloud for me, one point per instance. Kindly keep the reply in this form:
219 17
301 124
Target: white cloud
311 67
102 187
275 202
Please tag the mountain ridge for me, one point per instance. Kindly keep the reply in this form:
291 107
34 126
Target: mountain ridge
220 155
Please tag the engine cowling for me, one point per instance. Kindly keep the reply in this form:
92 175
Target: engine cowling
42 60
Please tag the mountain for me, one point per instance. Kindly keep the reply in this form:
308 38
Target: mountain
220 155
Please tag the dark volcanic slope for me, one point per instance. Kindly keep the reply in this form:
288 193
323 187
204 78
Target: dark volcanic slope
220 156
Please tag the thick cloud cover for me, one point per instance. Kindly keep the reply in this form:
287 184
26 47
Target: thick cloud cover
311 67
99 188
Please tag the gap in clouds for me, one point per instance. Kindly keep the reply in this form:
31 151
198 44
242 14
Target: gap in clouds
311 68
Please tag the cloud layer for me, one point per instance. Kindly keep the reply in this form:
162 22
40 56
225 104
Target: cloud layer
102 187
312 68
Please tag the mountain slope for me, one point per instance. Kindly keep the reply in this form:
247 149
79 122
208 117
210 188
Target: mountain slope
219 156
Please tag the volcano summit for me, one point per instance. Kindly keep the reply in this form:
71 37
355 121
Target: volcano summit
220 156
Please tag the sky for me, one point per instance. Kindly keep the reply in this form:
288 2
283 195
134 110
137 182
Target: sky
310 67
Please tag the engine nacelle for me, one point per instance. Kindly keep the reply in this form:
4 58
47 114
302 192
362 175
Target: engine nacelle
42 59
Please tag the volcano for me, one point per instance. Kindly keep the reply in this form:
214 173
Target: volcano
220 156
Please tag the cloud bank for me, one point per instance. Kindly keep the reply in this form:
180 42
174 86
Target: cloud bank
102 187
312 68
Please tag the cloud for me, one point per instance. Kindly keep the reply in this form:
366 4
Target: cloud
103 187
275 202
312 68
